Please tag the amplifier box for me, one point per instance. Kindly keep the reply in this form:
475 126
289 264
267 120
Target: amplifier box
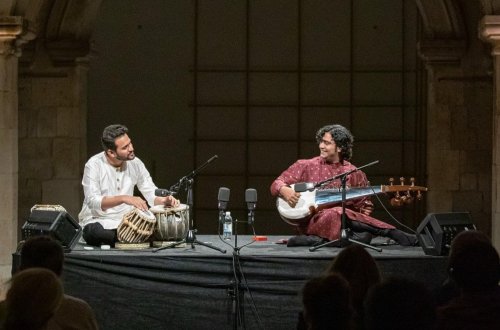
436 232
57 224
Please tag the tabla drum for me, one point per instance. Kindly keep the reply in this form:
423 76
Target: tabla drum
172 223
48 207
137 226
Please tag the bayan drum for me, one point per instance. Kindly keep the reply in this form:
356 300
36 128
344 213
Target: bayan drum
136 226
172 223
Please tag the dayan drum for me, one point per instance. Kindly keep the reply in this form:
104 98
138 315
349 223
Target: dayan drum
172 223
136 226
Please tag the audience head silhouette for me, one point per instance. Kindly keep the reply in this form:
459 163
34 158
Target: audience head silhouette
473 267
44 252
359 268
474 262
398 303
32 299
327 302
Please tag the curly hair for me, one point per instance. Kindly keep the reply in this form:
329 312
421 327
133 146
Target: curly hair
342 137
110 133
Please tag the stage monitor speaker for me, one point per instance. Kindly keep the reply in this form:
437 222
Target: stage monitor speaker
57 224
437 230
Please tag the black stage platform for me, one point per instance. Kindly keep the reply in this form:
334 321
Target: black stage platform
186 288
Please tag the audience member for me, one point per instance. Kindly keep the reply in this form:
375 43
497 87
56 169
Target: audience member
44 252
449 289
359 268
327 303
33 297
474 267
398 303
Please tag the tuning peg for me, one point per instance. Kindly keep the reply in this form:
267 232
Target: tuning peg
402 179
419 195
409 198
412 180
396 201
391 181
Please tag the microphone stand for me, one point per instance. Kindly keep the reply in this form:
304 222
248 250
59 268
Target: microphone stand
344 231
234 291
190 238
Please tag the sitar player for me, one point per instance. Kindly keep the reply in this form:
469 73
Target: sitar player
335 146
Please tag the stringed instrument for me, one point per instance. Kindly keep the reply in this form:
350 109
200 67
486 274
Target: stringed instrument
313 201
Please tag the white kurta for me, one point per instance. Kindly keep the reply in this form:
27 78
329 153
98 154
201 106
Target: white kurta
101 179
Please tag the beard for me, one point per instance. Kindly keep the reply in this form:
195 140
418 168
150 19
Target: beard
130 156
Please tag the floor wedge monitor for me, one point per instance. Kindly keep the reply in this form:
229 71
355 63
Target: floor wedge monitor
437 230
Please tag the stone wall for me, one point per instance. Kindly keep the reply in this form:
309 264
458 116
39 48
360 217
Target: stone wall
52 136
459 111
10 29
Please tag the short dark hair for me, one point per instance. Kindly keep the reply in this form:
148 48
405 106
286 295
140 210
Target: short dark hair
326 302
342 137
43 252
474 262
399 303
109 135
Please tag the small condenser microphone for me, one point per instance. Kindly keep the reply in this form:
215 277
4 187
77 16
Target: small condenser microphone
163 192
223 199
251 199
303 186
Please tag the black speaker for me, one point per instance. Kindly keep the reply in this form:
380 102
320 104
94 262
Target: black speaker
437 230
57 224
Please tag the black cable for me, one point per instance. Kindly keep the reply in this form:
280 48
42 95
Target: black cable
247 287
238 269
390 214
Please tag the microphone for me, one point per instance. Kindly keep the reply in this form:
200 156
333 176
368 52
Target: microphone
304 186
251 199
163 192
223 200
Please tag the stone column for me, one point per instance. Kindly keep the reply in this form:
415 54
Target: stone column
489 30
10 29
442 59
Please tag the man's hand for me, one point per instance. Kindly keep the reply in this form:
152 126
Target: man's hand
108 202
367 207
167 201
136 202
289 195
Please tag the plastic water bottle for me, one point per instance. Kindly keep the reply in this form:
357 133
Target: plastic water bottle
228 226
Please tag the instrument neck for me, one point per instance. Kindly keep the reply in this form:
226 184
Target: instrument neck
328 196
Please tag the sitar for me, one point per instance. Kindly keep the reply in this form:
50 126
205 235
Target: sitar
313 201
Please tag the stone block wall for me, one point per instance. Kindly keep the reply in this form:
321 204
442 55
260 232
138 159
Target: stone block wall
459 143
52 137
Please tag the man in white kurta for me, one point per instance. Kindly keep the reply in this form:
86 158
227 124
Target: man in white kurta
108 183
